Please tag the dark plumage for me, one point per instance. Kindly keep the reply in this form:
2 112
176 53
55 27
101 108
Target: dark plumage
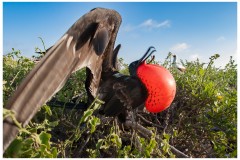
85 44
121 93
88 43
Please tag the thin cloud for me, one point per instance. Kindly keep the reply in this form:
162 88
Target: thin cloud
147 23
150 23
165 23
180 47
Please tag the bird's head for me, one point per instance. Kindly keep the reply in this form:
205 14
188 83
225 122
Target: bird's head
174 59
158 81
134 65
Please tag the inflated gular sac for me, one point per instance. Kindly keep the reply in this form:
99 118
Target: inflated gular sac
160 85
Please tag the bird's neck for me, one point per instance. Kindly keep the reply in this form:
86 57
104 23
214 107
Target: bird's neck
143 86
174 60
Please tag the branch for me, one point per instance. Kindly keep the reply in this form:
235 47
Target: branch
147 133
85 143
149 122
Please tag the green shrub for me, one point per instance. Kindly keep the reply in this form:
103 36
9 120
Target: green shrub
201 122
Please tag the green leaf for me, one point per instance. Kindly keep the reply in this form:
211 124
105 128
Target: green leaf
54 123
201 72
86 115
48 110
45 139
99 143
94 122
116 140
166 136
165 146
147 153
175 133
54 152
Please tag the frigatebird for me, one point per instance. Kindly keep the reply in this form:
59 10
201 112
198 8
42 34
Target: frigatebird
178 65
90 43
122 93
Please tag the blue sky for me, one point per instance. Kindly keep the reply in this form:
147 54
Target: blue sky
189 29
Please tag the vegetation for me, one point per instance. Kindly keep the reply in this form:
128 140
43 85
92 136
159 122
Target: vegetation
201 122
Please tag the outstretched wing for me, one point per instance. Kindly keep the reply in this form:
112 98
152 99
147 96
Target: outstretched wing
85 44
109 66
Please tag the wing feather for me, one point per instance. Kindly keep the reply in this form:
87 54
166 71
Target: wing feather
79 47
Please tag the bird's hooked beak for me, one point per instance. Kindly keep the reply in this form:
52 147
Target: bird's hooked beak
148 53
134 65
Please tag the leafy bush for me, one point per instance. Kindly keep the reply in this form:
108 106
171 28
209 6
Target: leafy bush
201 122
204 112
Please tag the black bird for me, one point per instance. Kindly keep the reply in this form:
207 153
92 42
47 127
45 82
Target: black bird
121 93
148 84
90 39
89 43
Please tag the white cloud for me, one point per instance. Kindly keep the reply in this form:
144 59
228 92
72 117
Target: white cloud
150 23
147 23
165 23
221 38
179 47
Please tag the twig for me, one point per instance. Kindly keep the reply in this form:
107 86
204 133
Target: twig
105 120
136 142
156 119
178 153
142 130
14 78
146 121
147 134
85 143
166 120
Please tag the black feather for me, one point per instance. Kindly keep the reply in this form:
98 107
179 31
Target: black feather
79 47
